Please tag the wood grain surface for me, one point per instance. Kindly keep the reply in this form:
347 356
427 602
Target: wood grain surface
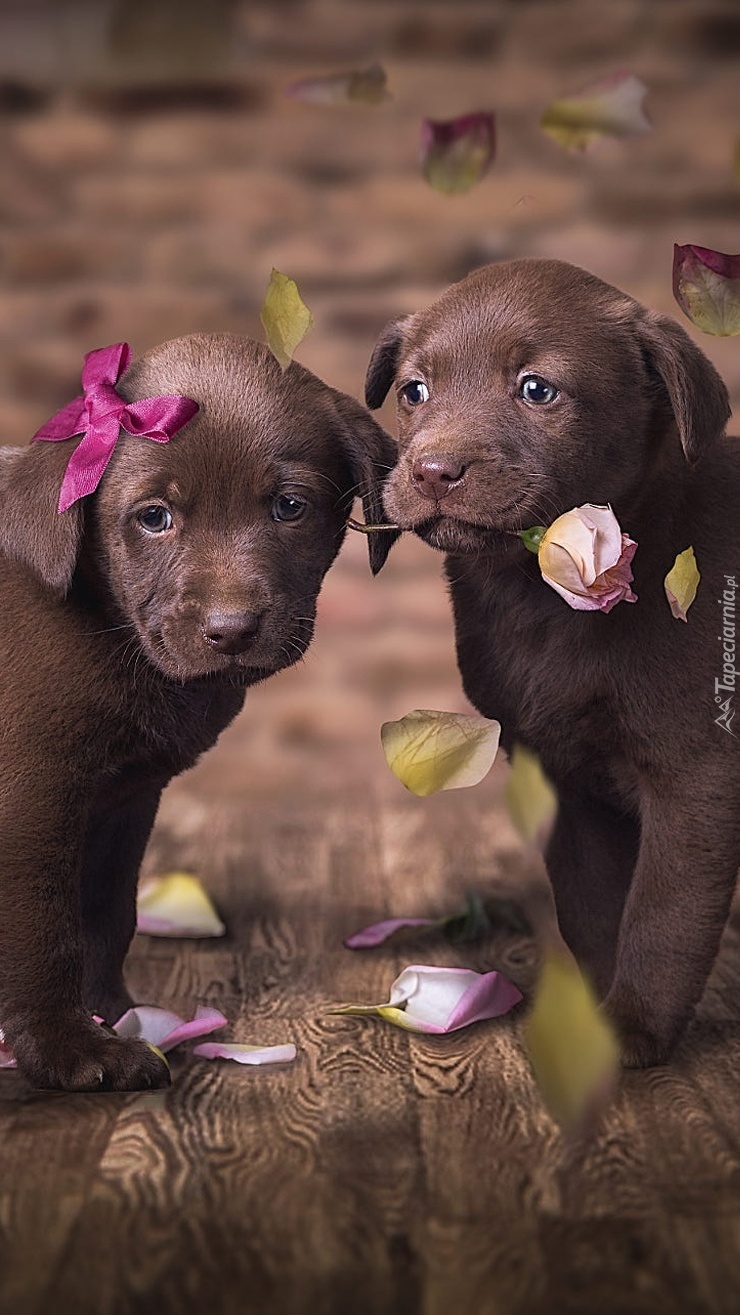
382 1171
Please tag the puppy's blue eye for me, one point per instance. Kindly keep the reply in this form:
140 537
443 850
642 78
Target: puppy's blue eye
155 520
415 393
533 388
288 507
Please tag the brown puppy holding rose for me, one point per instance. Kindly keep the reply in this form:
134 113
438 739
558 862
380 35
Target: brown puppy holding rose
132 622
528 389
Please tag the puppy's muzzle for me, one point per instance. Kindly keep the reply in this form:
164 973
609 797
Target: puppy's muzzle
231 632
435 474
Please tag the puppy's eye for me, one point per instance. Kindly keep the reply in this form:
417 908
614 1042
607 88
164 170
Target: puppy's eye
155 520
415 393
533 388
288 507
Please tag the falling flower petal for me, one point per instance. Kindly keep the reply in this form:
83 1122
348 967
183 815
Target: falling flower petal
681 583
366 86
7 1058
457 154
611 107
176 905
472 923
285 318
706 285
430 751
246 1054
164 1029
379 932
439 1000
572 1048
531 800
585 557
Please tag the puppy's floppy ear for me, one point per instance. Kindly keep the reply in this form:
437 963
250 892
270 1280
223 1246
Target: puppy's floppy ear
698 396
31 529
371 455
382 368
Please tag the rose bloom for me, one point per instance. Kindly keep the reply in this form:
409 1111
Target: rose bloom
586 558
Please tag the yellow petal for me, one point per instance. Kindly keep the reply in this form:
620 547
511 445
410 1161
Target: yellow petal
681 583
611 107
530 798
572 1047
176 905
430 751
285 318
365 86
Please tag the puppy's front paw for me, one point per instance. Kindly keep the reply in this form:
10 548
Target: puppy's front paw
84 1057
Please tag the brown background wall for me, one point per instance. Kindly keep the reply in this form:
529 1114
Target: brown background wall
153 171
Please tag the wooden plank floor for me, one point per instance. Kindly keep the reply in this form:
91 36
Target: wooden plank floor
383 1171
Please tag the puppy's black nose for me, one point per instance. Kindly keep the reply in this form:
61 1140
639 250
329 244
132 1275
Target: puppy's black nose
231 632
436 474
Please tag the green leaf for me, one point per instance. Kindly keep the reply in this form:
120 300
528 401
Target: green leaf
532 538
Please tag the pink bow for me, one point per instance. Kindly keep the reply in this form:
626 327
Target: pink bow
99 415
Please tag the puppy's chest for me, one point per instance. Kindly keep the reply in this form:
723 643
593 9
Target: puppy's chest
547 683
162 729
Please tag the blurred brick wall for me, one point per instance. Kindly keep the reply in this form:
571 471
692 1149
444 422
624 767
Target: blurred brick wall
152 173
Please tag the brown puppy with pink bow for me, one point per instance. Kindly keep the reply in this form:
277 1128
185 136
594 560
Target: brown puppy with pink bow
136 610
526 390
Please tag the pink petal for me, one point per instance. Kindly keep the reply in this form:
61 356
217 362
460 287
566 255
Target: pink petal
706 285
439 1000
379 932
165 1029
359 86
728 267
457 153
7 1059
246 1054
488 998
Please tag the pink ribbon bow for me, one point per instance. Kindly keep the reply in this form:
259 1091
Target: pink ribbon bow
101 413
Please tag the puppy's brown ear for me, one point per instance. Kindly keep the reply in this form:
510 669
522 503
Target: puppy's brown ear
698 396
382 368
371 454
31 529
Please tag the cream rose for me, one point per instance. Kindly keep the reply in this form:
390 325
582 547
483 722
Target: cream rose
586 558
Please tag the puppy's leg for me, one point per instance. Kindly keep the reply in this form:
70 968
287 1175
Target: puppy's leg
675 913
114 848
42 1014
590 859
